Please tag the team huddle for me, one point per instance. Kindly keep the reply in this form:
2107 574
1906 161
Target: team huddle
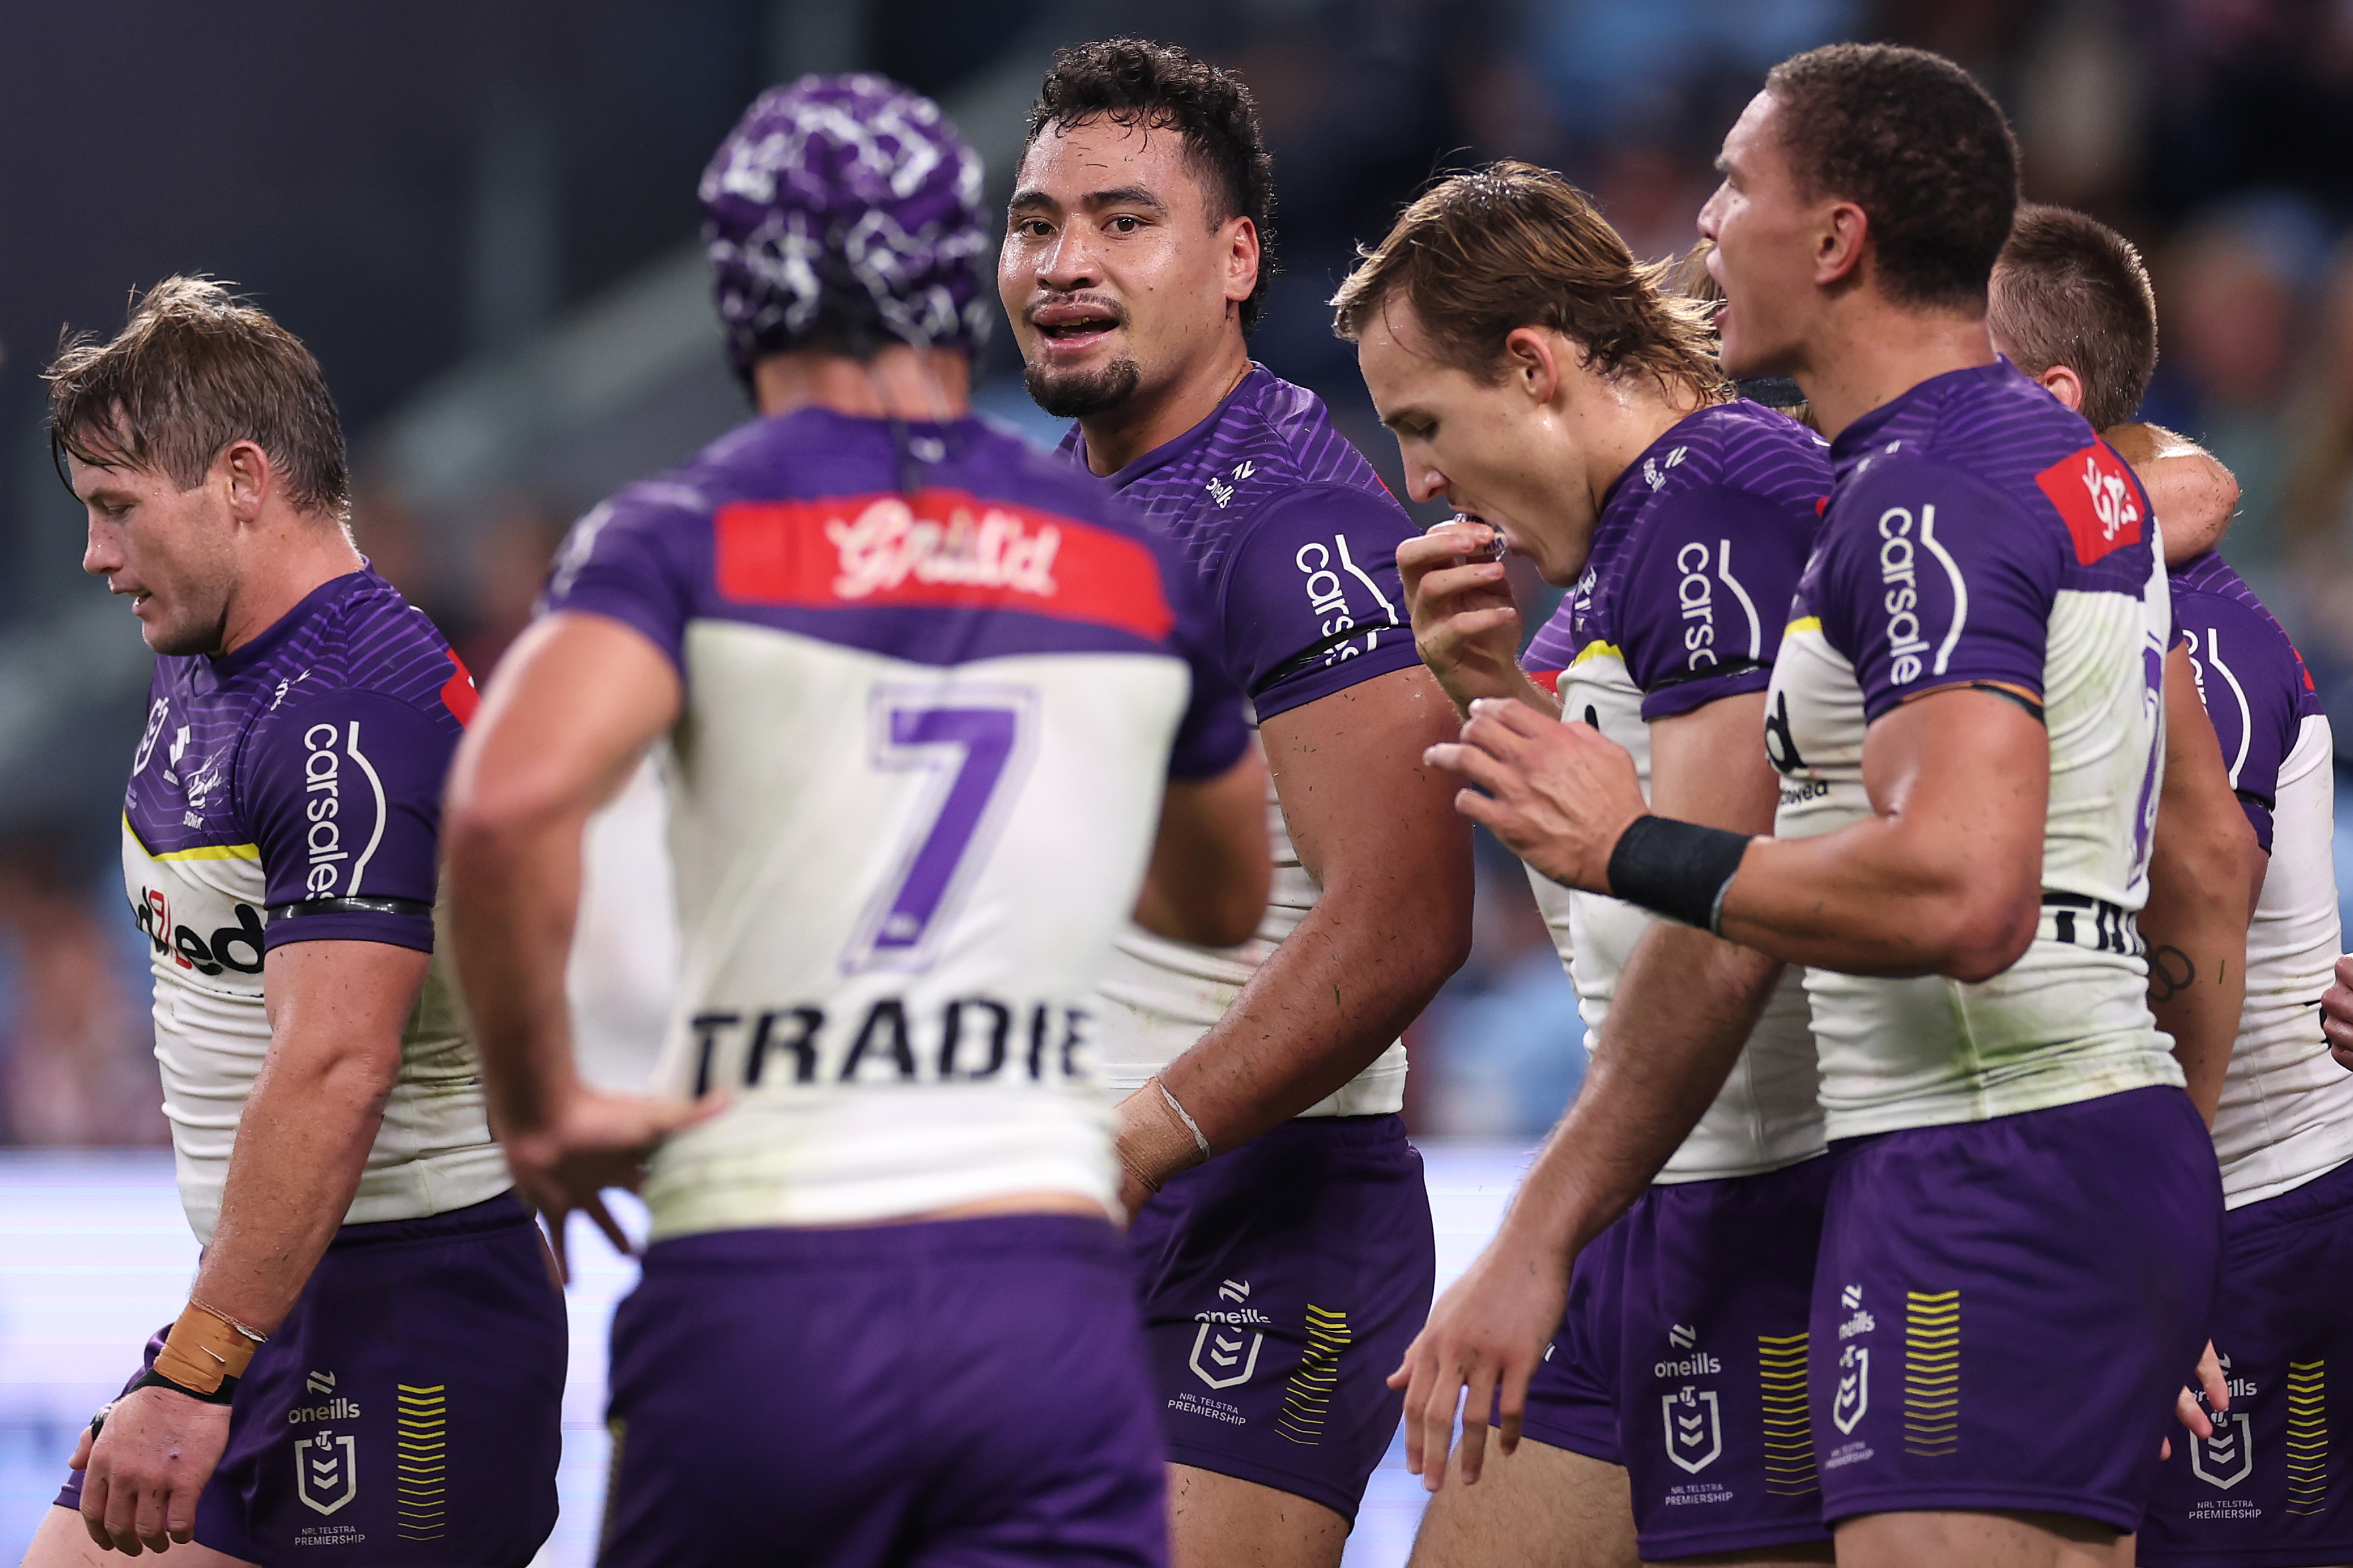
1935 828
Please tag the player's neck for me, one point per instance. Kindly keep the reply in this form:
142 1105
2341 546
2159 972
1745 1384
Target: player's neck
1623 419
294 558
1117 437
1871 351
926 385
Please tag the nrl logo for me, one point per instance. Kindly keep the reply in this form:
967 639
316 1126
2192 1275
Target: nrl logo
2228 1457
1694 1428
326 1472
1225 1350
888 543
1854 1396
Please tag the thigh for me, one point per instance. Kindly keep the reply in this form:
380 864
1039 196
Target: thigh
1539 1507
1282 1283
1713 1420
1223 1521
1970 1539
2273 1486
2005 1310
60 1541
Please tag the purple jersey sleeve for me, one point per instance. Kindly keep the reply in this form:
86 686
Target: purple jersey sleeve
2253 684
1215 730
1553 648
626 560
1705 602
343 793
1933 578
1312 597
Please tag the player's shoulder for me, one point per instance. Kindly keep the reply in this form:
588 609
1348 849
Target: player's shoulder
1746 447
1271 446
2231 628
361 638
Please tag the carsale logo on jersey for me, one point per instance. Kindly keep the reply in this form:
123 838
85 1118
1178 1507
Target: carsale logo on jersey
1321 566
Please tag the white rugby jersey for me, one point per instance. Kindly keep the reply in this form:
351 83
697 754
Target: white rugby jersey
1979 532
291 791
1698 549
2286 1113
1295 540
912 793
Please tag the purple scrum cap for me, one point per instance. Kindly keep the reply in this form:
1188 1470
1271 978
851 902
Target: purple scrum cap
843 212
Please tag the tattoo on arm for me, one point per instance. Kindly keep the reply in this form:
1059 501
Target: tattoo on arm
2170 973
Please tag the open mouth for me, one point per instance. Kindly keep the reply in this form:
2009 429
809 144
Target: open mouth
1070 327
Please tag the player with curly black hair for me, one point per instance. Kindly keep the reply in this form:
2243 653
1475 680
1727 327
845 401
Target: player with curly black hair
1284 1277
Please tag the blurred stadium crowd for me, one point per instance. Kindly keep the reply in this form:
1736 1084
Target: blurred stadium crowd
481 217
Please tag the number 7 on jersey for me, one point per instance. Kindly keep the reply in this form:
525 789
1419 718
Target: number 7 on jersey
969 738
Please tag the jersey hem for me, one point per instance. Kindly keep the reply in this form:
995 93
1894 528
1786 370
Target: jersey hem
1965 1107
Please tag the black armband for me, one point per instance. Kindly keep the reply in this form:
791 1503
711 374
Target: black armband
151 1378
1678 869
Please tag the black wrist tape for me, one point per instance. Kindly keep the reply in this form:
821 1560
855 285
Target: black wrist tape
1679 869
153 1379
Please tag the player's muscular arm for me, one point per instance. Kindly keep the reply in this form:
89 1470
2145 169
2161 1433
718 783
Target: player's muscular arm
1465 625
1212 865
2205 872
2192 493
1685 1003
574 705
1943 879
1374 828
336 1011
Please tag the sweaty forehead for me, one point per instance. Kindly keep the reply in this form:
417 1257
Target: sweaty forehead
1068 163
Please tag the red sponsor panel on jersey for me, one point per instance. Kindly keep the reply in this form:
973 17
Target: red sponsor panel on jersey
938 547
457 693
2099 497
1548 679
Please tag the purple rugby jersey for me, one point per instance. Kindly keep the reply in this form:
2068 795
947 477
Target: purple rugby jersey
292 792
914 781
1981 535
1293 534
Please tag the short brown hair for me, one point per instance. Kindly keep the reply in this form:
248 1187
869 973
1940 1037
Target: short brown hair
2071 291
196 369
1483 254
1913 139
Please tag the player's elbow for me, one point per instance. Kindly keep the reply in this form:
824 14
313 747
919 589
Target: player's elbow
1979 938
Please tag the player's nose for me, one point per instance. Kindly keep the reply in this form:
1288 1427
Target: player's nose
1711 215
1070 262
102 553
1424 482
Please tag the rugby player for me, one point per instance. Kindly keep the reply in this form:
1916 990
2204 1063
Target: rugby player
371 1357
2071 306
1283 1278
920 691
1966 712
1563 400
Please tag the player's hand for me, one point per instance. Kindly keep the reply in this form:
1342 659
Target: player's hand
2337 1014
145 1471
1559 794
2214 1386
596 1140
1465 627
1486 1335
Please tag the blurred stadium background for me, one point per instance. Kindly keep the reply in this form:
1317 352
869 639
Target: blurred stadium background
481 216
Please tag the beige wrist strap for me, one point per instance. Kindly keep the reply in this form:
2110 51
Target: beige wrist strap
1158 1137
205 1347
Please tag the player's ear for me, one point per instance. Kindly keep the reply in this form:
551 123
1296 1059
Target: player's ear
1842 231
1242 259
245 470
2063 384
1532 362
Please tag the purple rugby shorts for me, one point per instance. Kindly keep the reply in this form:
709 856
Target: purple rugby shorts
2005 1310
2272 1487
407 1411
1572 1395
965 1393
1282 1282
1714 1294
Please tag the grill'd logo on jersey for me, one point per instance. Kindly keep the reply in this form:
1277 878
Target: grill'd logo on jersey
237 947
937 547
2095 494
